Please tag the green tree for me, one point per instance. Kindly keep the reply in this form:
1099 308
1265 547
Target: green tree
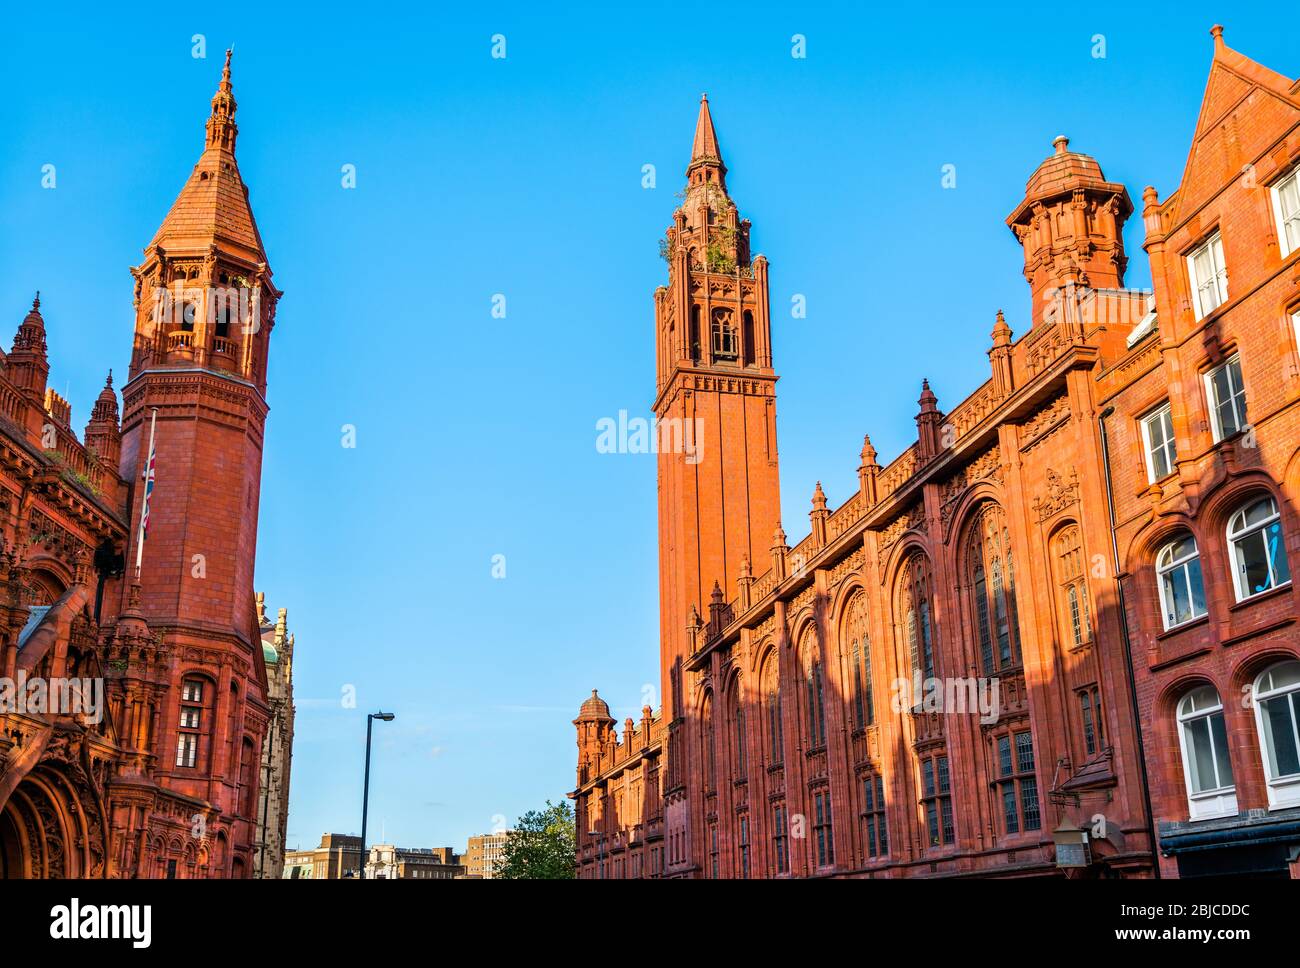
541 847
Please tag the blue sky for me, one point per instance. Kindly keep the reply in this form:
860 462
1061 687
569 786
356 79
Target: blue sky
477 176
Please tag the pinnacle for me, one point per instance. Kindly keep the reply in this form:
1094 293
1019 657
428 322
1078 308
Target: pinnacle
705 147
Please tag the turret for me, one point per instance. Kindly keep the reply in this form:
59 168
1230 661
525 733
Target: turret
28 366
103 434
1071 224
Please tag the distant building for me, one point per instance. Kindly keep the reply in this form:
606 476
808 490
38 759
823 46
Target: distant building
387 862
277 744
339 855
484 853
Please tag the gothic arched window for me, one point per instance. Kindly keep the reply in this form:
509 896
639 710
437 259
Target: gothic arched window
993 591
248 764
857 650
772 710
737 704
915 609
710 745
814 692
1072 587
724 336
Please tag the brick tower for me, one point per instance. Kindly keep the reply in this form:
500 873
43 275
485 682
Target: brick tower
719 498
205 307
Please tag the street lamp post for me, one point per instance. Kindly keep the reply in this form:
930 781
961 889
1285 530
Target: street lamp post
365 797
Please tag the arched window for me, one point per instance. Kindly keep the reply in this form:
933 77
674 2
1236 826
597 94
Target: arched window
1258 549
223 308
1277 714
813 691
1182 592
914 605
738 724
993 591
858 653
747 337
248 764
693 349
1072 587
710 745
195 725
1207 767
772 710
724 335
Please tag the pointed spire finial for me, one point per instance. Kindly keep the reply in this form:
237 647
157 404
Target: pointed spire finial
221 123
868 452
36 303
109 382
705 150
1001 331
928 399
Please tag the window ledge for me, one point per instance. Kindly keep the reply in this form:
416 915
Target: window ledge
1261 596
1187 626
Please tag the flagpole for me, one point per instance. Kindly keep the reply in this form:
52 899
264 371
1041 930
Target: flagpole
144 505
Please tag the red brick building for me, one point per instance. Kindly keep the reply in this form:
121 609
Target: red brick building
165 782
1063 616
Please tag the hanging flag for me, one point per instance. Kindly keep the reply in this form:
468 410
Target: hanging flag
149 472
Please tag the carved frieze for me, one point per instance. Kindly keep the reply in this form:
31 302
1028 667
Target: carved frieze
847 566
1045 421
913 519
987 466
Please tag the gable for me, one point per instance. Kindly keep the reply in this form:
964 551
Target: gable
1246 108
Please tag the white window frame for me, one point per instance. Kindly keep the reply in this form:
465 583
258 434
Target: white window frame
1283 791
1238 397
1170 447
1286 244
1165 567
1220 801
1236 534
1213 246
187 749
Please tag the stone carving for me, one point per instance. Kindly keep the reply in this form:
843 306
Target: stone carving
1061 493
987 465
913 519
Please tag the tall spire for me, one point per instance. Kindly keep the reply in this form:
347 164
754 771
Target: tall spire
214 201
221 124
705 152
